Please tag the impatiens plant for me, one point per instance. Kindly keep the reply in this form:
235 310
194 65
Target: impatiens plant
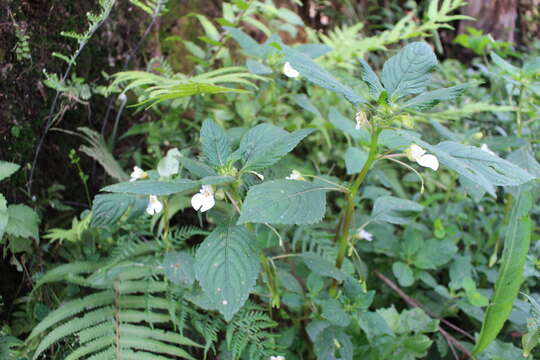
269 237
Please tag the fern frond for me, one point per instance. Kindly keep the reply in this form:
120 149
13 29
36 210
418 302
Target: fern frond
156 334
141 343
93 346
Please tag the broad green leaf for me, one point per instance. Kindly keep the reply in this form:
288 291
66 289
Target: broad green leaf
323 267
303 101
403 274
265 144
347 125
258 68
503 64
355 160
374 325
169 165
516 248
525 159
108 208
179 268
474 164
415 321
427 100
7 169
473 295
314 50
196 167
532 67
284 202
435 253
215 143
316 74
247 43
153 187
393 210
4 216
332 310
371 79
409 71
332 341
22 221
227 267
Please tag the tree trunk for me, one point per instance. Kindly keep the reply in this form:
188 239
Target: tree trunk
495 17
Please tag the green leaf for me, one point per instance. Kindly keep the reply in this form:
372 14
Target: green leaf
314 50
403 273
435 253
347 125
179 268
503 64
215 143
331 340
474 297
108 208
532 67
246 42
427 100
332 310
258 68
371 79
316 74
227 267
516 248
22 221
153 187
4 216
355 160
284 202
303 101
409 71
7 169
393 210
169 165
474 164
321 266
265 144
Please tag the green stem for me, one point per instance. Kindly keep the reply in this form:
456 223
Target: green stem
349 212
519 119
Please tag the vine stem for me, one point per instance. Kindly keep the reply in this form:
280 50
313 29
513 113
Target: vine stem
349 212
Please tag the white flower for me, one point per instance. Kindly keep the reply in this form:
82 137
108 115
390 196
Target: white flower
416 153
154 205
485 148
364 235
289 71
204 199
138 173
361 120
295 175
279 357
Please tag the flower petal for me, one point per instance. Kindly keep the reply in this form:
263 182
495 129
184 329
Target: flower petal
289 71
429 161
208 203
154 205
197 201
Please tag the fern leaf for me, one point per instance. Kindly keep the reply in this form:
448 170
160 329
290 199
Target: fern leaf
91 347
141 343
72 308
156 334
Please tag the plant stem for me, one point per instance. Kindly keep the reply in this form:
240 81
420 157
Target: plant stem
349 212
519 114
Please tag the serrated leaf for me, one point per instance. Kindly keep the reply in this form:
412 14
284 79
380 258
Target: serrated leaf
474 164
215 143
284 202
330 341
393 210
355 159
332 310
532 67
503 64
323 267
258 68
516 248
434 253
22 221
108 208
265 144
371 79
409 71
7 169
153 187
427 100
247 43
347 125
316 74
179 268
227 267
